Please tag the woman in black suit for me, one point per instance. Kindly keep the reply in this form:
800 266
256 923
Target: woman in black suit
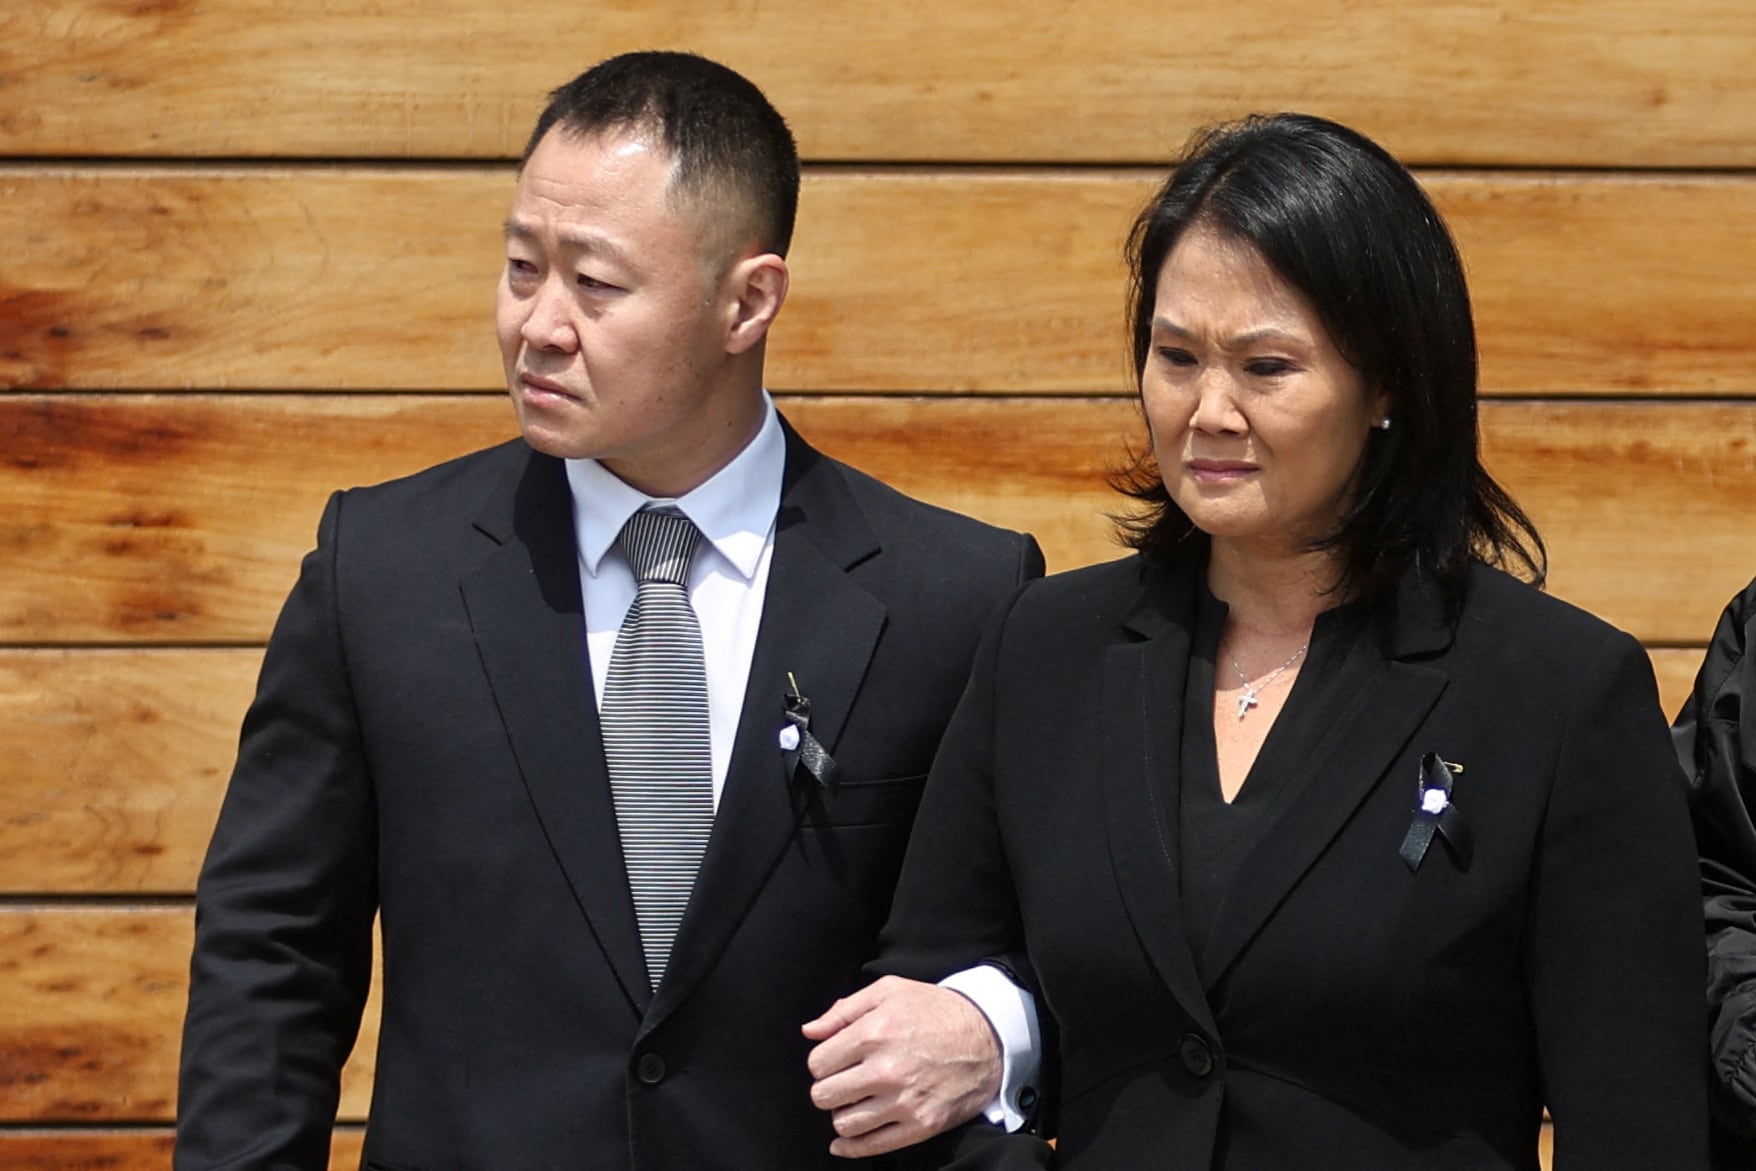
1330 842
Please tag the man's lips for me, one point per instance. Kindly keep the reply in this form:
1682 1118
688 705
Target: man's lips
543 386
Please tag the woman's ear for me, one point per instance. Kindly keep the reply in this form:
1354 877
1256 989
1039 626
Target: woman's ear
1382 416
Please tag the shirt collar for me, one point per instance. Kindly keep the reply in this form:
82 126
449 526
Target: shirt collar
734 508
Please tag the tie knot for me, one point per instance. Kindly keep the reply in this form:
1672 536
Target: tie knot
659 546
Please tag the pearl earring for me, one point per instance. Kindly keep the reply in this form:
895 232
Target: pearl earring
1384 423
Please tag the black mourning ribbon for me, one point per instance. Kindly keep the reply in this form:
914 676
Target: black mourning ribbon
1435 814
809 751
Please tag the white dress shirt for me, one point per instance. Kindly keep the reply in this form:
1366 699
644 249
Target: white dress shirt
735 510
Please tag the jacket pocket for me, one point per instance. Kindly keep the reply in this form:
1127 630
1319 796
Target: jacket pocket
851 803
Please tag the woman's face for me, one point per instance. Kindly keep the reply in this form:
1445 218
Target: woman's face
1258 423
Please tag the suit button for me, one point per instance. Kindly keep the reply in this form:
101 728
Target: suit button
1197 1057
650 1069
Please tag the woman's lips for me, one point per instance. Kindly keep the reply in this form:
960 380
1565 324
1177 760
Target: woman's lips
1219 471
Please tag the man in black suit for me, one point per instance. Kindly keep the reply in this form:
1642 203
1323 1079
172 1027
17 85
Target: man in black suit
426 744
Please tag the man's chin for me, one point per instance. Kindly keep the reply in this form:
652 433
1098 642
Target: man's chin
549 435
550 444
553 441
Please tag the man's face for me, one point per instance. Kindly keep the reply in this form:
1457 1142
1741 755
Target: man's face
614 315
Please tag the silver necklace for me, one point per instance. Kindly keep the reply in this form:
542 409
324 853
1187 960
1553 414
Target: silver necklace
1247 698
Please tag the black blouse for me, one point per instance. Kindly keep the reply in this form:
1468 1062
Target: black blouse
1214 836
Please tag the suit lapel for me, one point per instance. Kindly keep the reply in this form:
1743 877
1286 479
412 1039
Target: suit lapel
1351 760
821 627
1142 716
524 605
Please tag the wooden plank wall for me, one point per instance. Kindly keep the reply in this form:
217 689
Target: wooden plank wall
248 249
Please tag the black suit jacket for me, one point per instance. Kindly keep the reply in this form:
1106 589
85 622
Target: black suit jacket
1357 1015
424 745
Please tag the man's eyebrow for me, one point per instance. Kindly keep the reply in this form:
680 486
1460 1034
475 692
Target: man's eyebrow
580 239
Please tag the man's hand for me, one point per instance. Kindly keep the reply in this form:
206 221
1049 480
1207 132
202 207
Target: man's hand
898 1062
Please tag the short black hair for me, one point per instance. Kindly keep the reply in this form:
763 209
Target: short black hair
727 139
1340 220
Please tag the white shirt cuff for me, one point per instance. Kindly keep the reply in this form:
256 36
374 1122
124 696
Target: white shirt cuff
1012 1014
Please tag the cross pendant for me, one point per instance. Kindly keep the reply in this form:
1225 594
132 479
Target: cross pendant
1246 700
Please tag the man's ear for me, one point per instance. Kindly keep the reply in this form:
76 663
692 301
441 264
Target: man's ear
759 284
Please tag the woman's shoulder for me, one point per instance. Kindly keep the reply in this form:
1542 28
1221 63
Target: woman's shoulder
1105 586
1510 615
1079 605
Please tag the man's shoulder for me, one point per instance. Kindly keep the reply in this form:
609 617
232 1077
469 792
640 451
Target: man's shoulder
467 473
1741 610
892 512
420 513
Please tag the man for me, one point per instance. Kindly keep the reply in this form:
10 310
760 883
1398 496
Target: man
619 729
1715 736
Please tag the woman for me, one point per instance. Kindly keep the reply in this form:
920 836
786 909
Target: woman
1330 844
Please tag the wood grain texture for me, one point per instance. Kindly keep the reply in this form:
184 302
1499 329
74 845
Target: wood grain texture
1646 507
142 1149
94 1014
376 278
115 766
1675 668
181 519
125 755
1564 82
176 519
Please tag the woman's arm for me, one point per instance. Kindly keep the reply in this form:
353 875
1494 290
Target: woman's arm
1616 943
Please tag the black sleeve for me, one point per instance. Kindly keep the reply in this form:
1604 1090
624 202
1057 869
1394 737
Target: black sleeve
1619 1027
976 1146
284 905
1715 738
955 906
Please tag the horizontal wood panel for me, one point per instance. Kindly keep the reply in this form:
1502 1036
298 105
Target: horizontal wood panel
1646 508
181 519
94 1015
121 759
142 1149
116 763
1575 82
904 280
1675 668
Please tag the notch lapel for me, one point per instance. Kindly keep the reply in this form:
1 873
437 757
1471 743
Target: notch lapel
1353 758
525 608
820 625
1142 725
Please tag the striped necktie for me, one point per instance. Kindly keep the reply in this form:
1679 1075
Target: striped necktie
654 719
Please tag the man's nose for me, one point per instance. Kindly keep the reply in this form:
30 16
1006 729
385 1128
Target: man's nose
549 325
